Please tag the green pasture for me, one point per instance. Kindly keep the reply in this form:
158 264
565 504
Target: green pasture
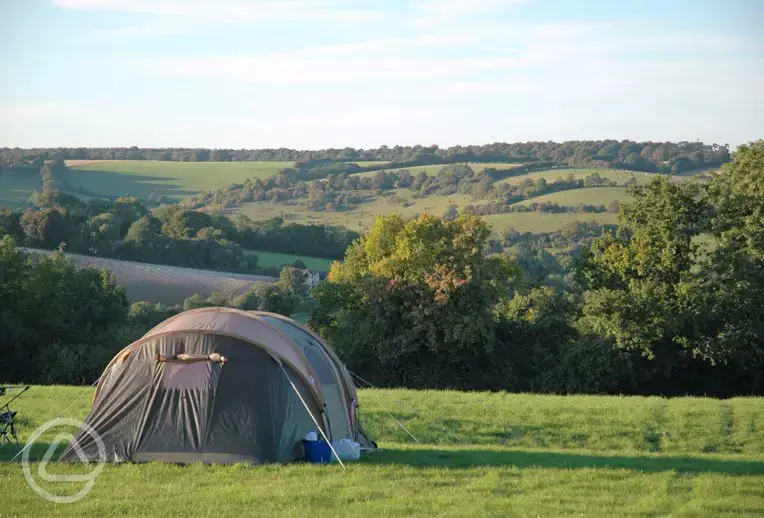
276 260
587 196
536 222
142 178
16 188
551 175
480 454
432 170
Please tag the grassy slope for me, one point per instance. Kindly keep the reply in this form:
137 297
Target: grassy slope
551 175
271 259
16 188
175 179
536 222
432 170
481 454
588 196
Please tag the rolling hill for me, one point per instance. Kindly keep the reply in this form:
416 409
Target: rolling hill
167 284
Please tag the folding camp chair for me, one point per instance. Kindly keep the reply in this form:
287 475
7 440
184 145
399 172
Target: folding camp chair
7 415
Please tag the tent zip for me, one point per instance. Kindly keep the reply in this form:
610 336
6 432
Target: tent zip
320 430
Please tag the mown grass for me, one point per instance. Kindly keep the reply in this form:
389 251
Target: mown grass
16 188
275 260
619 175
486 454
142 178
432 170
587 196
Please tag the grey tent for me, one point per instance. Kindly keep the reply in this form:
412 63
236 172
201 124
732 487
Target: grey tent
219 385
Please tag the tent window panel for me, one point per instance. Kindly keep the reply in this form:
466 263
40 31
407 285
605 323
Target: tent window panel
186 376
320 365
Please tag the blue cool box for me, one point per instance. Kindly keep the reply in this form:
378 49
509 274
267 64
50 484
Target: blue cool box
317 452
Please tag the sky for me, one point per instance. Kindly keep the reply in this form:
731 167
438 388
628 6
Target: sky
311 74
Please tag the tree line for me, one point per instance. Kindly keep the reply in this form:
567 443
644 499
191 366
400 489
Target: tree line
127 229
343 191
61 323
667 157
669 303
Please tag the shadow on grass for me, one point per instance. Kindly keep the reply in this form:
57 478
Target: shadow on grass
466 459
36 452
463 459
111 183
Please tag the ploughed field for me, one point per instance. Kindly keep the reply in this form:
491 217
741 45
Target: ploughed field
168 284
481 454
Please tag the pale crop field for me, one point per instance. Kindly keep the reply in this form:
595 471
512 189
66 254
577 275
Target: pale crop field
480 454
168 284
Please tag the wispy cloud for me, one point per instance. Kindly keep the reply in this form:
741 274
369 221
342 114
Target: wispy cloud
170 17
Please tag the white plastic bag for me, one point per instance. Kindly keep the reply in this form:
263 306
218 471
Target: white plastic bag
346 449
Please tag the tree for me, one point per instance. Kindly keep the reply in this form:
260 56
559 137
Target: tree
46 228
422 291
292 281
451 213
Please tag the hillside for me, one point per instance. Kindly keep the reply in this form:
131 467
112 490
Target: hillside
551 175
167 284
147 179
588 196
432 170
489 454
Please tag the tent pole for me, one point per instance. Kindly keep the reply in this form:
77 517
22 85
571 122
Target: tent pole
321 430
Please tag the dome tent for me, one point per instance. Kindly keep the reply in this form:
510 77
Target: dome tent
219 385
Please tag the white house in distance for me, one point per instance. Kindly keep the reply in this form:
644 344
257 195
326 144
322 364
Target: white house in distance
311 278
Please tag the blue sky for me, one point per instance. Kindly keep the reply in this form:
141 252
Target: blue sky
336 73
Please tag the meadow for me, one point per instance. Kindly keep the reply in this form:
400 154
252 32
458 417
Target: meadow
551 175
587 196
17 187
149 178
361 217
276 260
432 170
487 454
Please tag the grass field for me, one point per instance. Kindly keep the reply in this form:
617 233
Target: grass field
272 259
551 175
481 454
361 217
536 222
432 170
168 284
16 188
587 196
141 178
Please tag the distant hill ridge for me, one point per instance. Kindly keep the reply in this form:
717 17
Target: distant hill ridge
670 157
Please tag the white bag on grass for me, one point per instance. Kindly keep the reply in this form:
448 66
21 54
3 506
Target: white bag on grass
346 450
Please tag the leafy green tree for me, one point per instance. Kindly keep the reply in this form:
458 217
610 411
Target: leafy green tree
422 292
292 281
46 228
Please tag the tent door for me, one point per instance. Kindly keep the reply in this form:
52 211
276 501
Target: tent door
179 409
